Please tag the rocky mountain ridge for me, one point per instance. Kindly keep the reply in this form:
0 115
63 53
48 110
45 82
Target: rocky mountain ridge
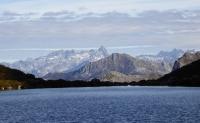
62 62
123 64
187 58
59 61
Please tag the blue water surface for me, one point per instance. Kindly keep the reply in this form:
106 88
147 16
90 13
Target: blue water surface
101 105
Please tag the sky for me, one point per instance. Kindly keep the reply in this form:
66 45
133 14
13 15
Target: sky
31 28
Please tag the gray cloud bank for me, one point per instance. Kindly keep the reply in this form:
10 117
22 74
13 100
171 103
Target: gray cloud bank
165 29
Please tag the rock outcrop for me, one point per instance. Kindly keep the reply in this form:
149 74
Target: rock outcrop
186 59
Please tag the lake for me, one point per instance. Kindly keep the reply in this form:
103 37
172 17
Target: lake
101 105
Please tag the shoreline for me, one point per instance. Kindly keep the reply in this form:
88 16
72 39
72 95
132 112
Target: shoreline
77 87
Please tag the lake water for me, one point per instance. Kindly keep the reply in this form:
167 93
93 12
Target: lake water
101 105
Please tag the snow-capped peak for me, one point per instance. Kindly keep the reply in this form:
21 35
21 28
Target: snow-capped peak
59 61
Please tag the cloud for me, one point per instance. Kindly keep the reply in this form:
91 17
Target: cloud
56 24
8 16
88 48
66 22
69 29
60 13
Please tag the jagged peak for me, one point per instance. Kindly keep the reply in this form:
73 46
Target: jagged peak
103 50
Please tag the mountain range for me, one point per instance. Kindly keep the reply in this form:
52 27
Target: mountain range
69 65
168 57
186 75
185 72
58 61
12 79
123 68
121 63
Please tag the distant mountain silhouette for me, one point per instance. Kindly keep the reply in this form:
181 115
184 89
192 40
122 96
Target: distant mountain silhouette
188 75
15 79
65 61
167 57
59 61
115 66
114 70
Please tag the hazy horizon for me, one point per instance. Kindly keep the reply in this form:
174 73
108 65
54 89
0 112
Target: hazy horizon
36 53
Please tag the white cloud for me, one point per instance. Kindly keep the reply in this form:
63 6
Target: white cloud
151 27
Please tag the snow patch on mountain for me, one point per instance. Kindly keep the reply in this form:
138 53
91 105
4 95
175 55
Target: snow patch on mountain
168 57
59 61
